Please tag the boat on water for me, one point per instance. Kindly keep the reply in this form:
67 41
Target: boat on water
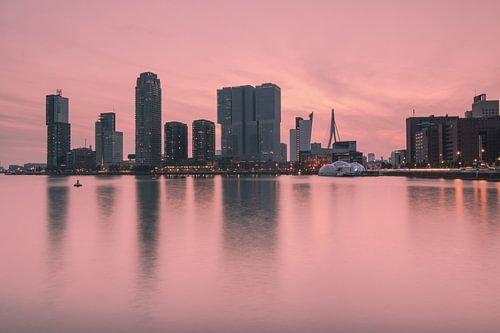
342 169
77 184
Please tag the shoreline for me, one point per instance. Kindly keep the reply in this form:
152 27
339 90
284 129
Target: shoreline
487 175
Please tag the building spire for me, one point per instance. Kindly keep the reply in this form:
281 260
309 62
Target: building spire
333 130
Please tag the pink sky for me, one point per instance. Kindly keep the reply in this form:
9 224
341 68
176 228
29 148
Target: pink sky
374 61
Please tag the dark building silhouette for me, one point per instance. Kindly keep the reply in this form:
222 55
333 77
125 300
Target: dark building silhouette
148 217
300 137
283 152
482 108
268 116
108 142
148 120
489 139
438 140
58 130
203 141
250 120
81 158
176 142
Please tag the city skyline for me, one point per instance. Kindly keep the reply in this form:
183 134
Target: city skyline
372 85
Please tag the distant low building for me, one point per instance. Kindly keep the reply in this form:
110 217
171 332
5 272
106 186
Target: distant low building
15 168
398 158
346 151
316 149
81 159
34 167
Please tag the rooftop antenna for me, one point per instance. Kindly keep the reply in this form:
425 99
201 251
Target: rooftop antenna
85 142
59 92
413 111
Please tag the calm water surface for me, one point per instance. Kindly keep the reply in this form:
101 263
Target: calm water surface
267 254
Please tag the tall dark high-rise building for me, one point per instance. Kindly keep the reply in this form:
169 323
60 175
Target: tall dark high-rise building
250 122
203 141
148 120
268 116
108 142
58 130
176 142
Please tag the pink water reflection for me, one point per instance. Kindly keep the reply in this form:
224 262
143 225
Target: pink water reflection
246 254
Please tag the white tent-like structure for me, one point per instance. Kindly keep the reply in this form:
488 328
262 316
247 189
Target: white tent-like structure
341 168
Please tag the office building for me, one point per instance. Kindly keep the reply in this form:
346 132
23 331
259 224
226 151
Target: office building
283 151
483 108
314 159
58 130
176 142
346 151
300 137
203 134
81 159
293 145
250 120
317 149
489 139
148 120
441 140
398 158
268 117
108 142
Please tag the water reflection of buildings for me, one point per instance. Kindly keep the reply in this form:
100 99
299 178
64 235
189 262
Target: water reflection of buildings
148 196
250 233
204 189
458 199
250 214
105 199
57 219
57 212
176 191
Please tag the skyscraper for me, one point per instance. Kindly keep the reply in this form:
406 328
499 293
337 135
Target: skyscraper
148 120
203 141
176 142
58 130
293 145
268 116
300 137
250 121
108 142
